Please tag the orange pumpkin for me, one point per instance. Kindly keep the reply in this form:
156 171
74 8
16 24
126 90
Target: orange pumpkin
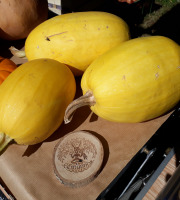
6 67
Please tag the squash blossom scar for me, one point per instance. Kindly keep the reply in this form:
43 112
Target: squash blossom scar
48 37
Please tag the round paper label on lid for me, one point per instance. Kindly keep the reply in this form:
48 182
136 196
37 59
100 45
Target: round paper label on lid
78 158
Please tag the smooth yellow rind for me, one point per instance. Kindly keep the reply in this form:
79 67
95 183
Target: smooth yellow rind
135 81
33 100
76 39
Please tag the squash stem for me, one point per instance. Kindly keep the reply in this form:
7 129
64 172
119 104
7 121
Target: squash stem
4 140
17 53
85 100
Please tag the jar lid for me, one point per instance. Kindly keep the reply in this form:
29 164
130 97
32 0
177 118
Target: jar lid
78 158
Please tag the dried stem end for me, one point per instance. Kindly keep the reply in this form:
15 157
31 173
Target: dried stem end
4 140
17 53
85 100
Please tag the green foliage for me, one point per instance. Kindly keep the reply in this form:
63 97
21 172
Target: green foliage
165 6
167 2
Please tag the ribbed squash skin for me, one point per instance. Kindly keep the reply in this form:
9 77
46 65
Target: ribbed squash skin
137 81
33 100
76 39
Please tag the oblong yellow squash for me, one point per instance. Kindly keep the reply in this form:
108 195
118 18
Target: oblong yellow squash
33 101
76 39
134 82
